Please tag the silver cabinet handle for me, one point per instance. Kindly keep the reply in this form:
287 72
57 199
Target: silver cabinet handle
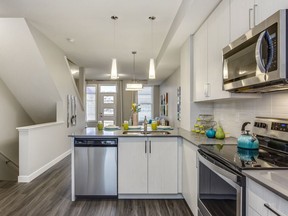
145 147
150 150
254 15
250 10
207 90
272 209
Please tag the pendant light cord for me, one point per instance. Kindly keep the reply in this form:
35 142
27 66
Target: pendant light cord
114 31
134 53
152 18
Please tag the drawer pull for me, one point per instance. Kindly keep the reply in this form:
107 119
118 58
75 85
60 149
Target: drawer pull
272 210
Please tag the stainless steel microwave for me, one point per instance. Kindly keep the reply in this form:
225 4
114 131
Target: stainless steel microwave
256 62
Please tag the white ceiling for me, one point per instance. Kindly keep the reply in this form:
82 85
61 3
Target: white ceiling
88 22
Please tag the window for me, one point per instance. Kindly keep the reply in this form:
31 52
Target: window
108 89
108 99
91 103
145 99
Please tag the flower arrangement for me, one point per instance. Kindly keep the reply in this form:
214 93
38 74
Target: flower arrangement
135 108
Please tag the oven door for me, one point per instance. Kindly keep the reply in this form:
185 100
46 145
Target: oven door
221 191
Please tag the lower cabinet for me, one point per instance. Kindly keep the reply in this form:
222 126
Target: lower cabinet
148 165
262 202
190 176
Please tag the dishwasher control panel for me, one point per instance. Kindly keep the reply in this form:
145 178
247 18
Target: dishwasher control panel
78 142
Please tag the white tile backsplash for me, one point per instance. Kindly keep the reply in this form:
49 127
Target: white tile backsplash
232 114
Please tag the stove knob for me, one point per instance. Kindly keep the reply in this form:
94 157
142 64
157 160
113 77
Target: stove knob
264 125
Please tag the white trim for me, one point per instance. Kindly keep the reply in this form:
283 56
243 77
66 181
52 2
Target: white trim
25 128
150 196
44 168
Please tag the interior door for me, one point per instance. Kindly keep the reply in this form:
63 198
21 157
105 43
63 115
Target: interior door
107 104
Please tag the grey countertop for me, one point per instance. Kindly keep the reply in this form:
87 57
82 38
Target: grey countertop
274 180
194 138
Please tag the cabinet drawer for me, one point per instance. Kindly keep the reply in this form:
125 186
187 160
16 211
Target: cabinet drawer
258 195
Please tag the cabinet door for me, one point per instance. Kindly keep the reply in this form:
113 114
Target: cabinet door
200 64
252 212
190 173
241 16
265 8
132 166
218 38
162 166
257 196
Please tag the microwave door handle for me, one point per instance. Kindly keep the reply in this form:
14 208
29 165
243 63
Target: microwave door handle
264 36
270 51
258 55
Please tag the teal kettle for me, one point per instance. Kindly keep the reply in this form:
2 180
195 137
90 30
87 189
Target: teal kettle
246 140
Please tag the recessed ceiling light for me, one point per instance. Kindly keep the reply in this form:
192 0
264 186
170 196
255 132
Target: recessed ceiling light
71 40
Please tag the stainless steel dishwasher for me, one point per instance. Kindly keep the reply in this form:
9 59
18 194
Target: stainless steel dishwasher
96 167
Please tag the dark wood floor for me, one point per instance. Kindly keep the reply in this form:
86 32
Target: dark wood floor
50 194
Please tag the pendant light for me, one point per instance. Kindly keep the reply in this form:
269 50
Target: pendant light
152 72
114 74
134 86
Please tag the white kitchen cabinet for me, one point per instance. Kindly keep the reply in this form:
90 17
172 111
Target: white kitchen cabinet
209 41
132 166
190 173
241 17
245 14
218 38
265 8
200 49
148 165
257 196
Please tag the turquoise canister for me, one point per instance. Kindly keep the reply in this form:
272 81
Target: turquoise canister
246 140
210 133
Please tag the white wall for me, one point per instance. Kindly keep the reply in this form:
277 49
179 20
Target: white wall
234 113
57 67
41 146
12 115
170 86
24 72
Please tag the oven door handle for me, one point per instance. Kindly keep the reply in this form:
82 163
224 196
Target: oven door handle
231 177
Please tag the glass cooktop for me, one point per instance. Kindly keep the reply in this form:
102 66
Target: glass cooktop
231 155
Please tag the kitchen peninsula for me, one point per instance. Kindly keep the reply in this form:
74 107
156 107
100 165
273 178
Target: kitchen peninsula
160 166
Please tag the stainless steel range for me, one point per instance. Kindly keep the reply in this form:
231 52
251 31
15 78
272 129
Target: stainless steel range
221 182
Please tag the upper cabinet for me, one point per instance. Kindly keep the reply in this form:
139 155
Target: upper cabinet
245 14
200 68
210 39
241 17
230 20
265 8
208 43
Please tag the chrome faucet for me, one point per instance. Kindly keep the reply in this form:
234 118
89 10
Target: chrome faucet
145 125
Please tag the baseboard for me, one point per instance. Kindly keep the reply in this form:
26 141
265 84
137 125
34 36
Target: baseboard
29 178
150 196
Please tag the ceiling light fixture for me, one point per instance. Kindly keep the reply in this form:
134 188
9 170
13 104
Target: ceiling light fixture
152 72
134 86
71 40
114 74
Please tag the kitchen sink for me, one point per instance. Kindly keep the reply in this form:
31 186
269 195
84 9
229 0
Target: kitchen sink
146 133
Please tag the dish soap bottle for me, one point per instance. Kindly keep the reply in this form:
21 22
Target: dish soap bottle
145 124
